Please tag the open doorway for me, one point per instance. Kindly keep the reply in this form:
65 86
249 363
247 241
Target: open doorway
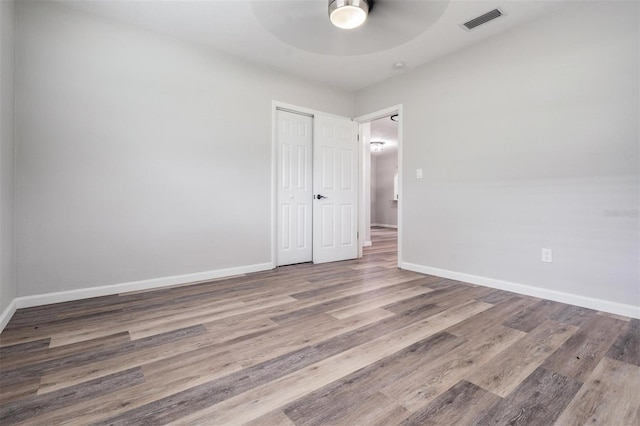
384 172
381 178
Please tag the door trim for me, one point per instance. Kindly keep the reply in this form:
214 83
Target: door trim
396 109
277 105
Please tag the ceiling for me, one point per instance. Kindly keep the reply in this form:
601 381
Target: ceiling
385 130
297 43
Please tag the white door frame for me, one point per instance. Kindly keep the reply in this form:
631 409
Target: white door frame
397 109
275 105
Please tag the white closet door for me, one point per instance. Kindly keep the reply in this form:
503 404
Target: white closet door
335 189
295 202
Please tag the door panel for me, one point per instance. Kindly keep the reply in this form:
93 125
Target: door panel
346 234
346 174
334 175
328 226
327 168
294 188
302 223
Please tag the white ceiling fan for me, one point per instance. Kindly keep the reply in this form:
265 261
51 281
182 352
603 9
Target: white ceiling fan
306 24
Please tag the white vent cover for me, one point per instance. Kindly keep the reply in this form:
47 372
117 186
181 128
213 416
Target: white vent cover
483 19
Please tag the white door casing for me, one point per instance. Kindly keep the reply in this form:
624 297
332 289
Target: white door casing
335 177
294 203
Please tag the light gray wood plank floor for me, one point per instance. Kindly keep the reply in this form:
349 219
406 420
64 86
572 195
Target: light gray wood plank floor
348 343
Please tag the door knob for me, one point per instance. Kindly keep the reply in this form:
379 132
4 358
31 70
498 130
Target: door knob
320 197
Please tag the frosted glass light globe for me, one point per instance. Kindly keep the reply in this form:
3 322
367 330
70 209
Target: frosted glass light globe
348 17
348 14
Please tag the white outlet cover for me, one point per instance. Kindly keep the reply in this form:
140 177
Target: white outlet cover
547 255
418 173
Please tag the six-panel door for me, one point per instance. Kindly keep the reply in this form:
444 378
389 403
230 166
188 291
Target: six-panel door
335 178
295 206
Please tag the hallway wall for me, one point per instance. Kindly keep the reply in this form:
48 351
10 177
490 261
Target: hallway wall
384 210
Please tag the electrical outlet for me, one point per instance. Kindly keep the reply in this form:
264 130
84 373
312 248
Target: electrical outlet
418 173
547 255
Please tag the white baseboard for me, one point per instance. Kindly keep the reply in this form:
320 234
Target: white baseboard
106 290
384 225
6 315
557 296
367 244
85 293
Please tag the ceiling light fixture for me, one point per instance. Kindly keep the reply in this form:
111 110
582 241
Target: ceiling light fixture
348 14
377 146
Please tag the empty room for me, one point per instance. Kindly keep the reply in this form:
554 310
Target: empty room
319 212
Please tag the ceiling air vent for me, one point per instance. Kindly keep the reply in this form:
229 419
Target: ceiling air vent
476 22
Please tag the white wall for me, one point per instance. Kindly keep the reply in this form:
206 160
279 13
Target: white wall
385 210
372 192
528 140
365 185
7 281
138 156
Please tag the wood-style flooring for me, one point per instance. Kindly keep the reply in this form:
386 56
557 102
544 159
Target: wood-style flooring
349 343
